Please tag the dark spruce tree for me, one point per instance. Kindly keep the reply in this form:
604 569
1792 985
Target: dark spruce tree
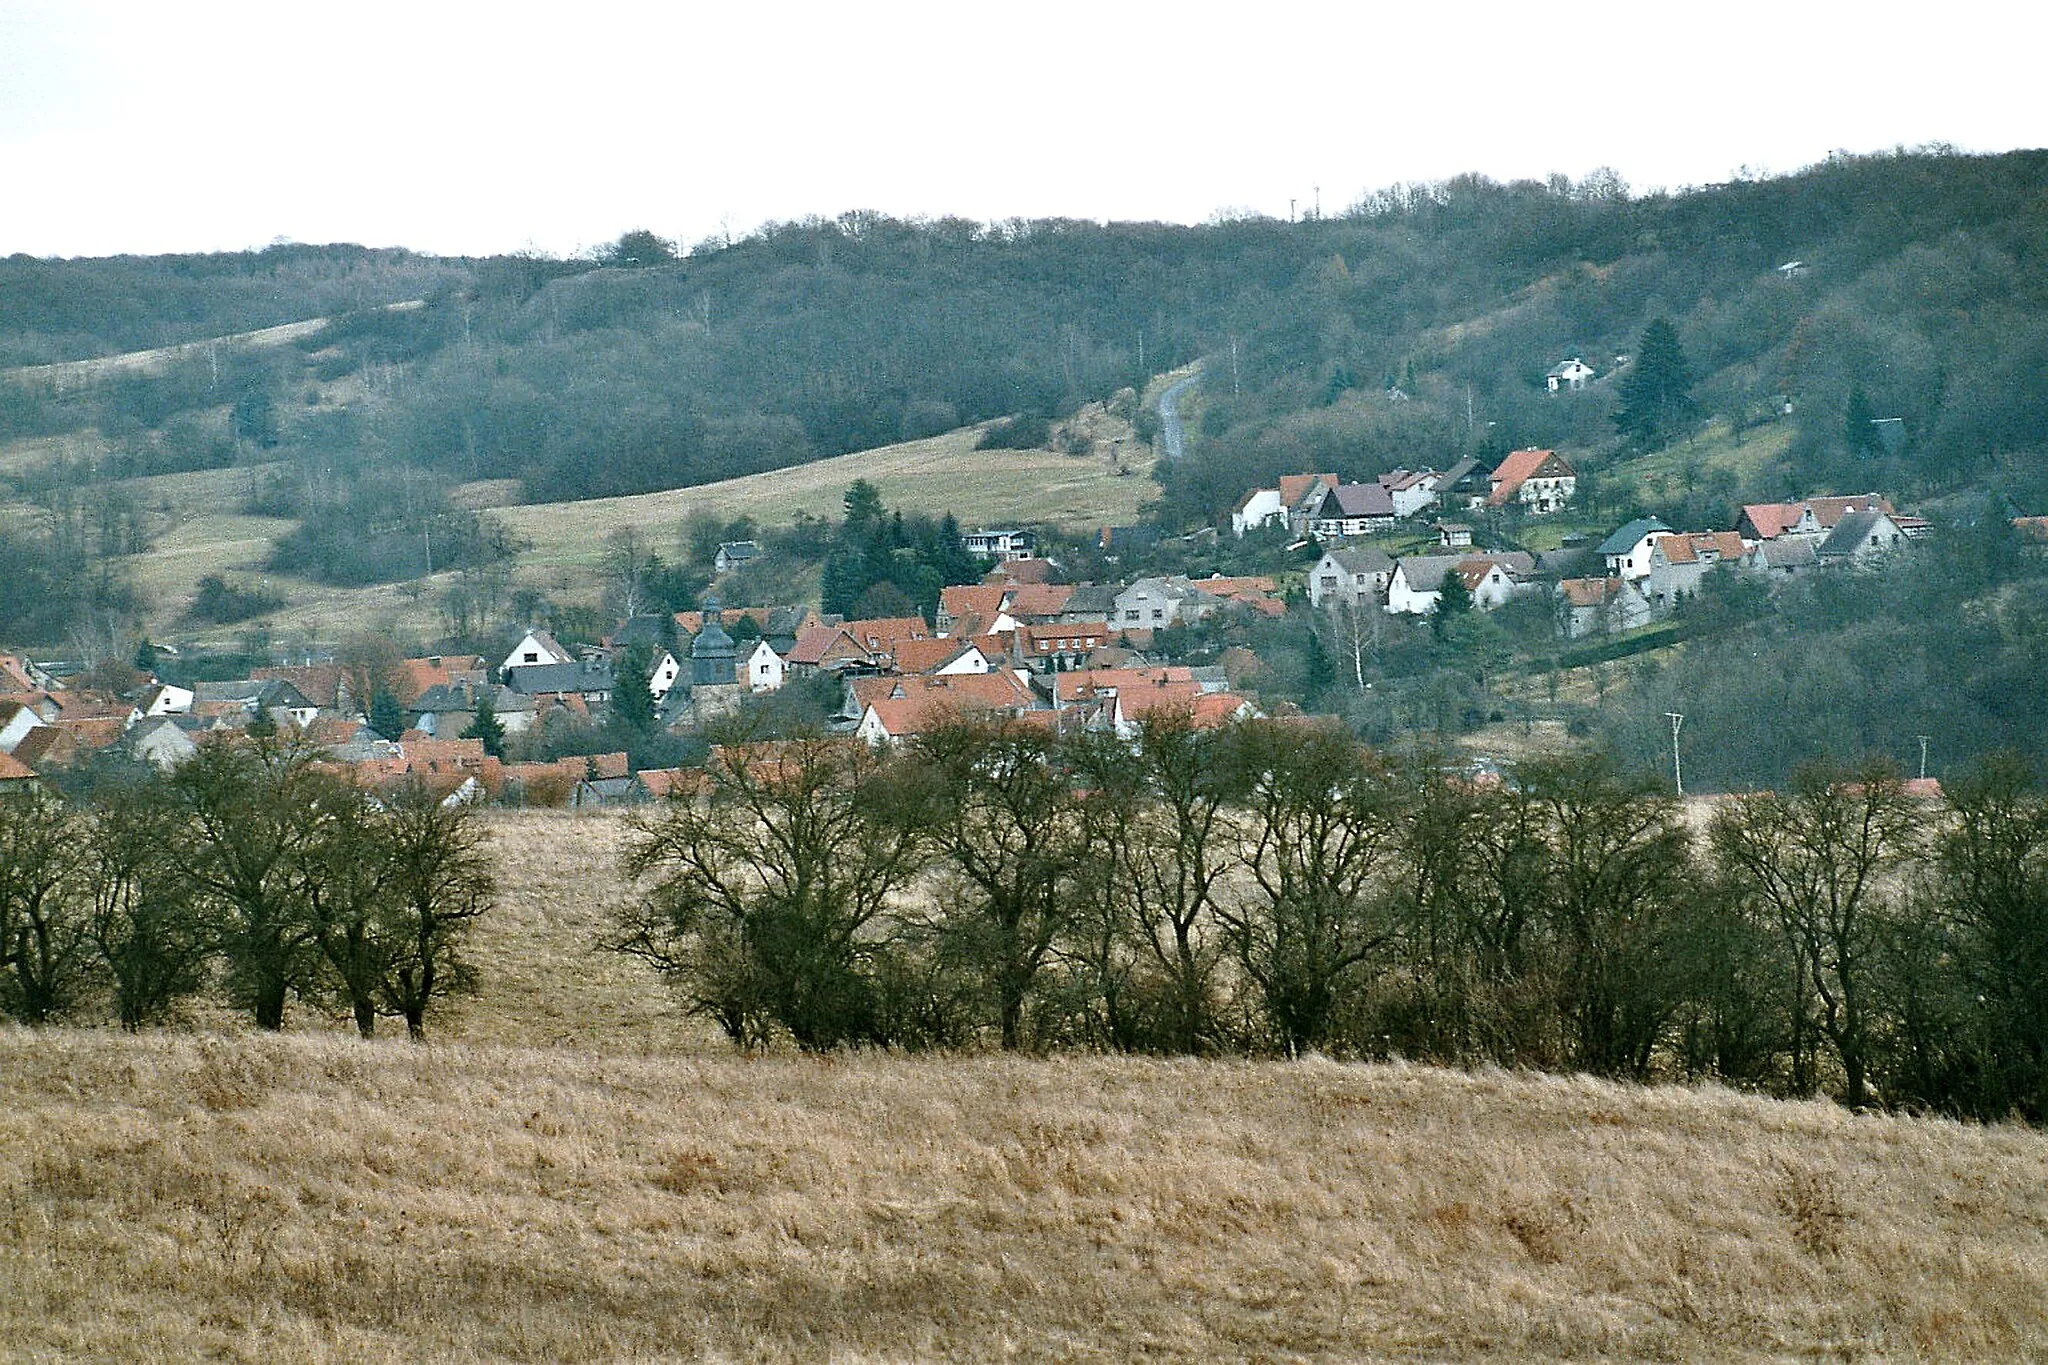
387 717
1656 393
632 702
486 726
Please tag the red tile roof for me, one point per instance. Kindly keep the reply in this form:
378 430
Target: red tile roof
1518 468
1295 487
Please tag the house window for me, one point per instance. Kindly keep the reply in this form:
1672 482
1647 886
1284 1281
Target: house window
529 658
1131 615
1158 614
1329 583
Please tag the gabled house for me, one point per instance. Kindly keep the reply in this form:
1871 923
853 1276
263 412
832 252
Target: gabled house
47 748
1569 377
1349 509
1861 538
914 705
1352 576
1589 606
663 675
536 650
1786 557
1411 489
1680 561
438 670
161 741
1418 581
1255 511
764 669
1463 486
827 649
591 679
1537 481
275 697
1280 506
1814 517
1627 551
1090 602
164 699
734 554
1157 603
18 675
975 608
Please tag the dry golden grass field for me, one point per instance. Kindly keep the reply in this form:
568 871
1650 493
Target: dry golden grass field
573 1172
936 475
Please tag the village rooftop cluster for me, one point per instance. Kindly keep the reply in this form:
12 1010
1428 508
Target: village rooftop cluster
1018 645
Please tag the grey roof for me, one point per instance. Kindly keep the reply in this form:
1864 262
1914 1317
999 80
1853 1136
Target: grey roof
1457 474
644 630
1426 572
1519 563
1091 599
1357 500
1362 559
1788 552
1563 563
253 692
739 549
592 675
785 621
445 697
1849 534
1624 540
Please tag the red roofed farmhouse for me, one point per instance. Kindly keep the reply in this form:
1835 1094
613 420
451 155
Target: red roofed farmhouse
1538 481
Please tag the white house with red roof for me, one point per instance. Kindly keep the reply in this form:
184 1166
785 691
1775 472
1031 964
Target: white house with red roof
1538 481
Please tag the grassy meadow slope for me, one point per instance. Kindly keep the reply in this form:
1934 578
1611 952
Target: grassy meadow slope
937 475
573 1171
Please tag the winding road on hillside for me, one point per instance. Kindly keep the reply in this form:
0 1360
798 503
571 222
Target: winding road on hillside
1169 416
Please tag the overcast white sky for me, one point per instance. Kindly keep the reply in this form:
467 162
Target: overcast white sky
458 127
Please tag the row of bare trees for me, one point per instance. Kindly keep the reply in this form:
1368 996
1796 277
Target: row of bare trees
1275 887
253 871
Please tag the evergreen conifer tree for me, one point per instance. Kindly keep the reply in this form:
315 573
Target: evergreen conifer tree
486 726
1656 393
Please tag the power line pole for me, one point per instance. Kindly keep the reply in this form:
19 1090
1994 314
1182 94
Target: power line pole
1677 718
1923 757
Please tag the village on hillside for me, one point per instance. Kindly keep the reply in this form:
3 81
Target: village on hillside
1020 644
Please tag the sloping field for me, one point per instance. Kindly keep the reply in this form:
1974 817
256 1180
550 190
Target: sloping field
939 474
313 1198
574 1171
66 374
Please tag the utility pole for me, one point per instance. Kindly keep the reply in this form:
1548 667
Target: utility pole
1923 757
1677 718
1233 367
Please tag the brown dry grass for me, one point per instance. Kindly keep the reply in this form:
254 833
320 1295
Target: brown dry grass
201 531
316 1198
940 474
615 1186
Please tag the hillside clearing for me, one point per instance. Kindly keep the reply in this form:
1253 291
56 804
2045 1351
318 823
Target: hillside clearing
936 475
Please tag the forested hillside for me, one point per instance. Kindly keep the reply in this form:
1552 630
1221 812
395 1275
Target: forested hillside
1921 297
1874 323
